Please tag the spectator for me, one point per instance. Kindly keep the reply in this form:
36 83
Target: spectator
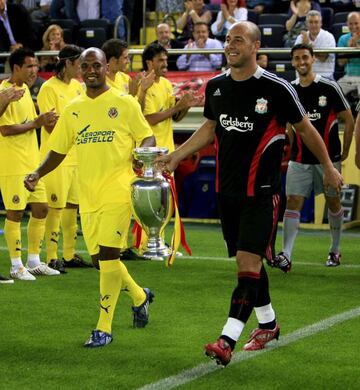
195 11
170 6
318 38
201 62
262 60
232 11
351 80
296 22
260 6
53 39
111 10
15 27
64 9
88 9
343 5
163 34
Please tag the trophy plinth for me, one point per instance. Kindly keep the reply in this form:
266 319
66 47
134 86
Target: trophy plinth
152 201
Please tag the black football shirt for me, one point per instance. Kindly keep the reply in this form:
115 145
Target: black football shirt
251 117
322 100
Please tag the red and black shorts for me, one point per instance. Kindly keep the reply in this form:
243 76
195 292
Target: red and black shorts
249 223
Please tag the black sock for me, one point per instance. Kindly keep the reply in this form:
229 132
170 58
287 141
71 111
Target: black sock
244 296
230 341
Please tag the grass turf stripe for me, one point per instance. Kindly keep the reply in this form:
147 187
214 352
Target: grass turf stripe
201 370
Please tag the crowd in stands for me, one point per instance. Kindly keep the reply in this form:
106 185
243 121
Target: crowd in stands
200 24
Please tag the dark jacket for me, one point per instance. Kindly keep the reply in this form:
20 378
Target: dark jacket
21 27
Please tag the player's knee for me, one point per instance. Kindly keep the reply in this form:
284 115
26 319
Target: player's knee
39 210
108 253
14 215
294 202
95 261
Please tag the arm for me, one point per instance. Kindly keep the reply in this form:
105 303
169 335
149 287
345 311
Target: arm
177 112
183 62
181 22
346 116
52 160
218 25
357 140
201 138
290 23
46 119
149 141
314 142
9 95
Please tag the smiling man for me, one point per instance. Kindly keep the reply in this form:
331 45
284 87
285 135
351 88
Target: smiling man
246 111
104 126
325 103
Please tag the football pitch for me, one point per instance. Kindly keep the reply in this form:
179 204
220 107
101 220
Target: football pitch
45 323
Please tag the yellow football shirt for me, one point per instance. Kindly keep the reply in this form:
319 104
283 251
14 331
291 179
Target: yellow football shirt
160 97
104 131
55 94
121 82
19 154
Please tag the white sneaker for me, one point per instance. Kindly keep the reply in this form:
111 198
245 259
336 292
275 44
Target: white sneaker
43 269
22 274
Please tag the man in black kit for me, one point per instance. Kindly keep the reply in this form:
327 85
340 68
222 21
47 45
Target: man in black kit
246 111
324 103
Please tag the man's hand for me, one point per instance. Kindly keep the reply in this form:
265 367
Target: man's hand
333 178
48 119
305 37
167 162
31 181
188 100
11 94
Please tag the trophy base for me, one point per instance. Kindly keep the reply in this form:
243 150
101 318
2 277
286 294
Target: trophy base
157 252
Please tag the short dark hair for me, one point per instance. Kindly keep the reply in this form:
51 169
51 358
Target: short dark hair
150 51
17 57
201 23
114 48
68 52
302 46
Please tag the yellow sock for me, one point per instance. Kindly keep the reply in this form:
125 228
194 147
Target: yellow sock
35 234
129 285
52 233
69 232
12 233
110 286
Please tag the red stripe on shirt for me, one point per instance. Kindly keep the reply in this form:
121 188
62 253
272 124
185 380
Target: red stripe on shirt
272 130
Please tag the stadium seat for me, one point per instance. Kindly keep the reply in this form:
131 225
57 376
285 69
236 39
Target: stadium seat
252 16
283 69
68 35
273 19
64 23
327 14
339 29
98 23
272 35
340 17
91 37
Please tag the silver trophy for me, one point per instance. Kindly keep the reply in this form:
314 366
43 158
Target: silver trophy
152 201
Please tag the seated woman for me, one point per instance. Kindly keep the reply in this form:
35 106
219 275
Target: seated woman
296 22
195 11
232 11
53 39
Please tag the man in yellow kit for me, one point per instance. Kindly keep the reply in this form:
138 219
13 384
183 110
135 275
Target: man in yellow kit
62 184
7 96
104 126
19 153
160 105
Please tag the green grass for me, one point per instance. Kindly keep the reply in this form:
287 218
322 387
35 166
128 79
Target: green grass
44 323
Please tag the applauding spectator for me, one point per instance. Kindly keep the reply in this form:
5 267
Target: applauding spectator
195 11
53 39
232 11
296 22
201 62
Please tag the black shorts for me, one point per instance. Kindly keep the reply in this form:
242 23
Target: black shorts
249 224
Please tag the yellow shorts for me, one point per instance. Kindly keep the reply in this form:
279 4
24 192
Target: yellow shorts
16 196
106 226
62 187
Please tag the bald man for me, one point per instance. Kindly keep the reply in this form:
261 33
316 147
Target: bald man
249 132
103 125
163 34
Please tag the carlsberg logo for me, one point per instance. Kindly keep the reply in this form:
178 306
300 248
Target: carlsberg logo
234 124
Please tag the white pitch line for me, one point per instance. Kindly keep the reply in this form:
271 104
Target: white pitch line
201 370
225 259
